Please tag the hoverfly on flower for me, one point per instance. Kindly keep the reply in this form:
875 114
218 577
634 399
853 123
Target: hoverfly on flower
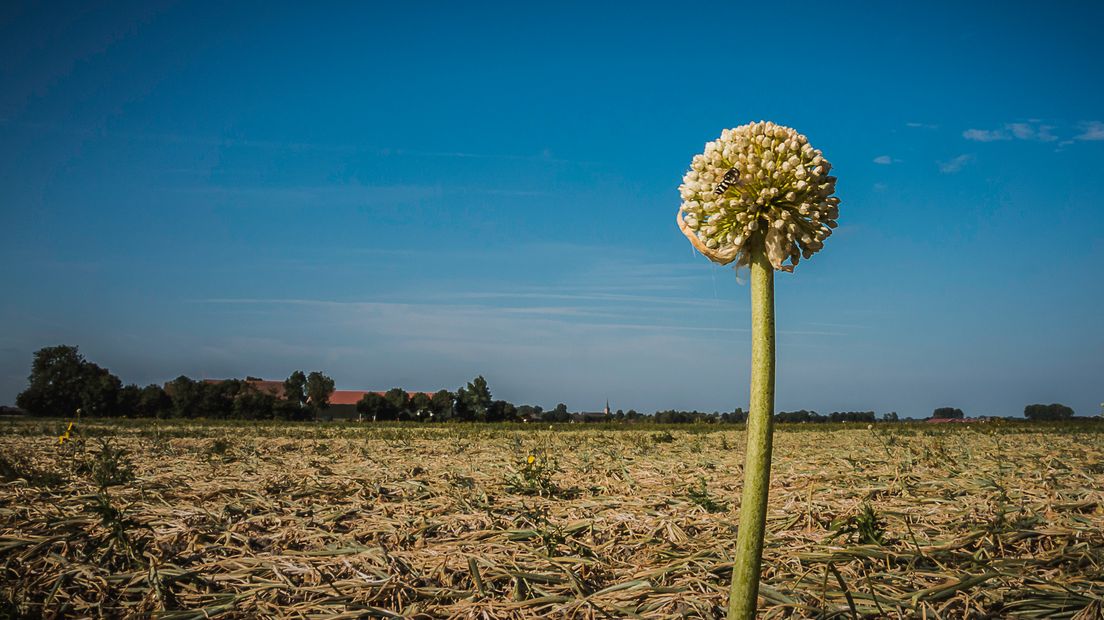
731 177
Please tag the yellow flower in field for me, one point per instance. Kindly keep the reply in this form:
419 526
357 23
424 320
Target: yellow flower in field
64 437
532 459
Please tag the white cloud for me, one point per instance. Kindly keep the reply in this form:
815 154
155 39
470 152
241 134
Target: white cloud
1092 131
1028 131
884 160
915 125
1023 131
984 135
1032 130
954 165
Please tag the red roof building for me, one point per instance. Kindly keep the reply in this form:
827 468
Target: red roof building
339 397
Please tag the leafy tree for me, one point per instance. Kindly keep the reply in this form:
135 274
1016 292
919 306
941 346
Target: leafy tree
529 412
217 398
186 397
253 404
441 405
559 414
738 416
286 410
374 407
1051 412
295 388
460 409
502 411
127 401
319 387
421 405
148 402
474 400
99 391
55 382
948 413
852 416
61 381
890 417
800 416
399 401
154 402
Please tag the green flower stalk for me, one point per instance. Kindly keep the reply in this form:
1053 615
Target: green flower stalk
760 196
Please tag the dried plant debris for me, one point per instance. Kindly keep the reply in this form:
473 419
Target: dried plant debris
191 520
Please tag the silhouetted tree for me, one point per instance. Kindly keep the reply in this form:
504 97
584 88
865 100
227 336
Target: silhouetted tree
186 395
559 414
295 388
502 411
375 408
852 416
421 405
948 413
738 416
529 412
399 401
61 381
473 400
217 398
800 416
318 389
441 405
1049 412
253 404
153 402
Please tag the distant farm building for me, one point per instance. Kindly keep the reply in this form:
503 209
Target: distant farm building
342 402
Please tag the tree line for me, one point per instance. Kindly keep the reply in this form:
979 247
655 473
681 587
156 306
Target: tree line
63 381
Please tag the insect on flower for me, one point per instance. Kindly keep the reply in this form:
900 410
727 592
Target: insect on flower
731 177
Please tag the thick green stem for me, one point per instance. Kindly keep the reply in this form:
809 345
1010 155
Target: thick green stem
753 507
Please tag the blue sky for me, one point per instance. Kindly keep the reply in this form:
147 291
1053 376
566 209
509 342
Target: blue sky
413 194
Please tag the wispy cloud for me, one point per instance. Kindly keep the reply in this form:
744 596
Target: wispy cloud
884 160
1091 131
1032 130
985 135
545 156
955 165
423 318
916 125
598 297
511 342
350 194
